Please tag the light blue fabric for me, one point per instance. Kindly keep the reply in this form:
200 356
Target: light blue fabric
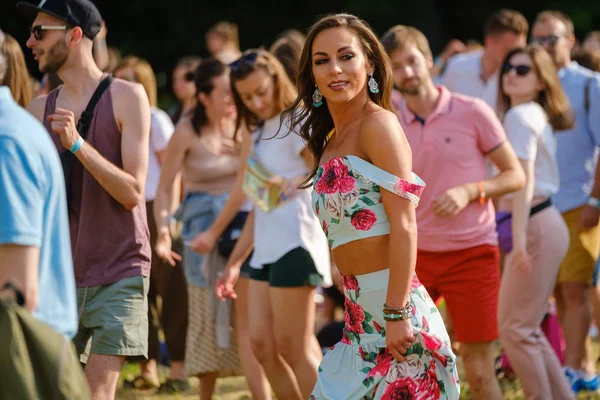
346 198
33 210
198 212
577 149
360 366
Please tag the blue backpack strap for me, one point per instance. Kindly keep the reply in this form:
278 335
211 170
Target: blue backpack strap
370 174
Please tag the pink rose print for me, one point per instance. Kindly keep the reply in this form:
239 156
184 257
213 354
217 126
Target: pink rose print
429 387
377 327
415 283
363 220
345 338
442 359
325 229
431 342
334 178
354 315
350 282
383 362
425 324
401 389
403 187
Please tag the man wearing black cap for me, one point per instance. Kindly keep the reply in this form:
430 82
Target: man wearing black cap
105 185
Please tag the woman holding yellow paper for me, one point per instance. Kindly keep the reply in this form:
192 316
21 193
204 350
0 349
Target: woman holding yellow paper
290 253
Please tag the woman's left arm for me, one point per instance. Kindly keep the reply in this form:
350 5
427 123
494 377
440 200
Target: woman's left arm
383 141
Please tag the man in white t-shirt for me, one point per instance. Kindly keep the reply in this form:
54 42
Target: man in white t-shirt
476 74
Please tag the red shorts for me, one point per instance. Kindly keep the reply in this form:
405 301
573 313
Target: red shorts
469 281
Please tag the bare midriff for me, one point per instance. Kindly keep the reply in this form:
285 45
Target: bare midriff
363 256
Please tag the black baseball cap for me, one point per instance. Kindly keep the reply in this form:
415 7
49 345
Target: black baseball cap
81 13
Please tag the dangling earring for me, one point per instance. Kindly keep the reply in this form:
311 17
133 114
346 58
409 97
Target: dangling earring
373 86
317 98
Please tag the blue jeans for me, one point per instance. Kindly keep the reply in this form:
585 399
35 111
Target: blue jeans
198 212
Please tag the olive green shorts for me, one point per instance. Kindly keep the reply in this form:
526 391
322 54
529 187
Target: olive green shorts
113 319
295 269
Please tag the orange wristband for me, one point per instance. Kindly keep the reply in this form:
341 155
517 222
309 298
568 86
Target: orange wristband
481 194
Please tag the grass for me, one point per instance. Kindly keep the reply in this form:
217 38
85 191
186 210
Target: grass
235 388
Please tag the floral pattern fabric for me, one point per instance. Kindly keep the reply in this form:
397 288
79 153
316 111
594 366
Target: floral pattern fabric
361 367
347 198
347 201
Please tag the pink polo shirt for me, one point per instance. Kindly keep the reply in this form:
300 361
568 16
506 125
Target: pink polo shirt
449 150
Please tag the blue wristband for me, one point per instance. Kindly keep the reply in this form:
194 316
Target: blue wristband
77 145
594 202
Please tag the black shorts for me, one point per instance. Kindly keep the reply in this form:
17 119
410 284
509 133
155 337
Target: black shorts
295 269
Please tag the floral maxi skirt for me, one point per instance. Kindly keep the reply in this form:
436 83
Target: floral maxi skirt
360 367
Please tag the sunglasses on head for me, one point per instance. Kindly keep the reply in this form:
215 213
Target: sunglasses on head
248 58
521 70
38 30
546 40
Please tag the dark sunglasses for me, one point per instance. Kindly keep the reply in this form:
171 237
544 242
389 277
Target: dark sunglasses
189 76
248 58
521 70
38 30
545 40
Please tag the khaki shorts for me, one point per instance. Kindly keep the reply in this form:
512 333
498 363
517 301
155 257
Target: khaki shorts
580 261
113 319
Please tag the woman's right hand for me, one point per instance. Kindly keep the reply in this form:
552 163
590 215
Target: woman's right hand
226 282
520 258
163 249
204 242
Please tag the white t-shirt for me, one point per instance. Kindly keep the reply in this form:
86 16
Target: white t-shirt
531 136
463 75
161 130
294 224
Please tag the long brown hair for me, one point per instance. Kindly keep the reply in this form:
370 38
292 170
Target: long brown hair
143 74
16 77
313 124
552 98
256 60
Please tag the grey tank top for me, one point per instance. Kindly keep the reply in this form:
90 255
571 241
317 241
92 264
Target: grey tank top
108 242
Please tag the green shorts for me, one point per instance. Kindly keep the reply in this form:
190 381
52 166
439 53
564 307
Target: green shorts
295 269
113 319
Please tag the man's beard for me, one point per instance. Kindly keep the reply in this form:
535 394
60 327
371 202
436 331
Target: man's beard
56 57
413 90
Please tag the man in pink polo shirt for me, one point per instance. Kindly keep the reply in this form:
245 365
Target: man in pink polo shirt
450 136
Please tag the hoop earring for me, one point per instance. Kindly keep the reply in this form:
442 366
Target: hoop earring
373 86
317 98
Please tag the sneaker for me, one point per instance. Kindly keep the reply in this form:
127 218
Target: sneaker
587 383
573 379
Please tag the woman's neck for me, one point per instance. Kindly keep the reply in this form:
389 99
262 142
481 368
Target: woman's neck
346 113
188 105
517 100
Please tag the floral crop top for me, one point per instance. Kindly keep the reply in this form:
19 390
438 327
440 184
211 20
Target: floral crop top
346 198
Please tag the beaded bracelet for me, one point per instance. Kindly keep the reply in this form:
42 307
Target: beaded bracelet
391 314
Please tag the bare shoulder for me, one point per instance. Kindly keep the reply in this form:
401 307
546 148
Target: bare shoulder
380 126
184 132
383 142
37 107
124 92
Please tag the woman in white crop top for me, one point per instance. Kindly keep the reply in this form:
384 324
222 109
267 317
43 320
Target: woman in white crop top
531 231
290 253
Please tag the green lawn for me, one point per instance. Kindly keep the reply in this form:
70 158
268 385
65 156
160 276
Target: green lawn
235 389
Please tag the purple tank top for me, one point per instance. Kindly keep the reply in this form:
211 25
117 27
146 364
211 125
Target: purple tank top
108 242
